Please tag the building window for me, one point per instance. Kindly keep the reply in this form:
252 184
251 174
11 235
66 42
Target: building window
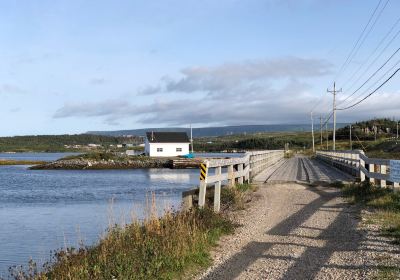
159 150
179 149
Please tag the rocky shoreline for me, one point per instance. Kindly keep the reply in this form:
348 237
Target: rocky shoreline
123 163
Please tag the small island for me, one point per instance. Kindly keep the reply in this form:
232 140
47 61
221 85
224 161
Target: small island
110 160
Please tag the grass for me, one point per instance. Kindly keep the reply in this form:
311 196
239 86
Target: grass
170 247
159 248
20 162
235 198
386 206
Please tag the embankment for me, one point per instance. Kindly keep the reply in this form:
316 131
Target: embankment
121 163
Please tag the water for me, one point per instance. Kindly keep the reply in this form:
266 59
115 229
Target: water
35 156
44 210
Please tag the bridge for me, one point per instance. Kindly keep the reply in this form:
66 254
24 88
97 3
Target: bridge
298 227
276 167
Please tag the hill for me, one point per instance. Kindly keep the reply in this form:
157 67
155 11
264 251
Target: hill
367 130
217 131
59 143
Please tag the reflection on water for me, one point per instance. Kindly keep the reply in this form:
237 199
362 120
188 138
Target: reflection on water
165 175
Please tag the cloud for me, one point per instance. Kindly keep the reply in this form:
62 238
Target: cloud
230 76
97 81
249 92
10 89
15 110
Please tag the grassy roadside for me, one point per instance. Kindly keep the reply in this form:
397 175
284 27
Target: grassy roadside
385 206
170 247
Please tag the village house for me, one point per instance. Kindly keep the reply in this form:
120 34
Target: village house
166 144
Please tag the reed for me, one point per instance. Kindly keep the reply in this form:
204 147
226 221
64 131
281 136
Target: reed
164 247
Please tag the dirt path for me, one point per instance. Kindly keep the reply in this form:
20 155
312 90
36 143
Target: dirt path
298 232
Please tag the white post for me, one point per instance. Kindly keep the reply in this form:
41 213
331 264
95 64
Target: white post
371 169
203 184
362 174
383 171
217 191
231 179
240 170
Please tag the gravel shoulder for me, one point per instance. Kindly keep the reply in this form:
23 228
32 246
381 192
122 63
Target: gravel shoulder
294 231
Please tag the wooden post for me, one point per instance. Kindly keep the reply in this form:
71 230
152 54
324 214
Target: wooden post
371 169
396 186
231 179
383 171
240 170
203 184
217 191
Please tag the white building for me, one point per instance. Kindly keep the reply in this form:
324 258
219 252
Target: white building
166 144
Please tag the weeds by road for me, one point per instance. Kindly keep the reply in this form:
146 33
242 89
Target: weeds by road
385 206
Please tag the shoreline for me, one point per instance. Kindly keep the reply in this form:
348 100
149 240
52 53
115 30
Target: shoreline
21 162
123 163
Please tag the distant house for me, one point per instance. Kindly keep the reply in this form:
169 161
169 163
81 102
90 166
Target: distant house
166 144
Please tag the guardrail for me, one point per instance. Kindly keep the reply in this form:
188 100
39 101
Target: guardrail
356 163
214 172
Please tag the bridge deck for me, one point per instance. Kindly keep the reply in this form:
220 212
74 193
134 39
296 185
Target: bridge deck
302 169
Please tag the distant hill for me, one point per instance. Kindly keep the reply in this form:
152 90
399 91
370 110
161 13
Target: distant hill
219 131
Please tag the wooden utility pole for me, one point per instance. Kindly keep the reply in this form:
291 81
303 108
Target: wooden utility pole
312 132
191 137
351 143
327 135
334 92
320 129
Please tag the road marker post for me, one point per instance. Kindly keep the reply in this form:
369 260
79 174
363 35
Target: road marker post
203 183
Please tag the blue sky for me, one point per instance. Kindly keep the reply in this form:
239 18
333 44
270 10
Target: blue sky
73 66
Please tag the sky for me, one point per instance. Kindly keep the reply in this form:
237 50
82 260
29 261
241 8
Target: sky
75 66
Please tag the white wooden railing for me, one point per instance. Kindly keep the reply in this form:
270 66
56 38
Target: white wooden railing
356 163
232 171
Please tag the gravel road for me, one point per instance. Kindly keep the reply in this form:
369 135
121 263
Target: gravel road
293 231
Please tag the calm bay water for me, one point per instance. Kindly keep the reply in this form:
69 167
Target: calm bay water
42 210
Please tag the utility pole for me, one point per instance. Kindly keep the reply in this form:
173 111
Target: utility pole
334 92
312 131
191 137
327 135
320 129
351 143
397 133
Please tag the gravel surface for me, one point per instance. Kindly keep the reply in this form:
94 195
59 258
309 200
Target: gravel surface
297 232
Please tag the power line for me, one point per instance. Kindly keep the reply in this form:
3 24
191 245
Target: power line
370 77
352 52
381 85
377 81
373 52
376 58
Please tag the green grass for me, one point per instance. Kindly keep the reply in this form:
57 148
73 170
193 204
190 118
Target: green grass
20 162
235 197
386 206
171 247
158 248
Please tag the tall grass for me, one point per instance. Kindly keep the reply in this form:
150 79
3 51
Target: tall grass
384 201
156 248
235 197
